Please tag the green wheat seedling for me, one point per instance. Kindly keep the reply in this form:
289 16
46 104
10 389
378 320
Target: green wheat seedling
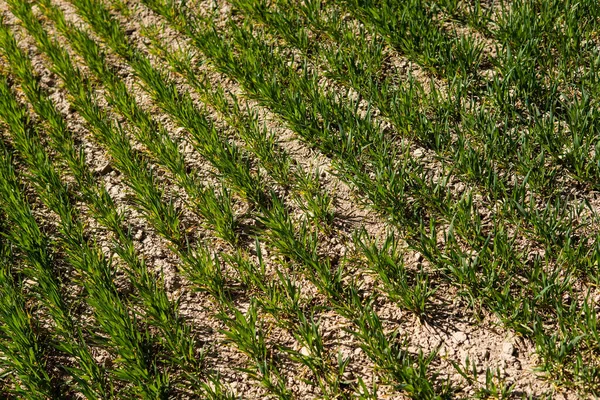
346 302
494 386
209 279
530 79
468 165
532 75
160 308
527 35
244 330
439 202
360 75
365 179
528 32
389 351
385 261
131 163
241 329
195 262
204 270
309 334
278 298
326 280
474 13
359 140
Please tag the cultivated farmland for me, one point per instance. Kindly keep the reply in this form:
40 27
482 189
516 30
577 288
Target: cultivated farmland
354 199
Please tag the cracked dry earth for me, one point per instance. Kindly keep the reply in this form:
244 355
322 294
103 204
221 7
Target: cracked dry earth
282 229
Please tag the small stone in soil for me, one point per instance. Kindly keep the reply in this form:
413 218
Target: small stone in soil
486 354
459 337
103 170
508 349
517 365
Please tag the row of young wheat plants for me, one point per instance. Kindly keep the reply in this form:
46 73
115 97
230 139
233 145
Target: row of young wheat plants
515 241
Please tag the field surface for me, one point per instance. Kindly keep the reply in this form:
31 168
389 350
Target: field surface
354 199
